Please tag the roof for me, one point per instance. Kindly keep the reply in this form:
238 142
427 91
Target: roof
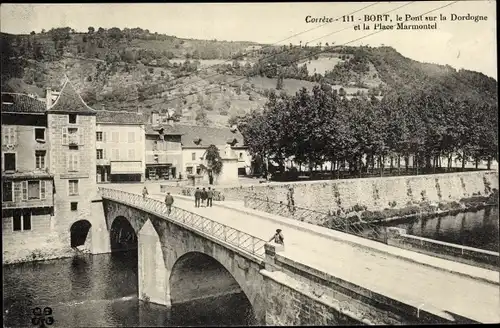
70 101
209 136
167 129
119 117
21 103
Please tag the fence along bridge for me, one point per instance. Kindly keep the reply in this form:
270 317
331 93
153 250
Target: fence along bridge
236 240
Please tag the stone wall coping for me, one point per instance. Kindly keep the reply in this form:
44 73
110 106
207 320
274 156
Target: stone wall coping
472 249
287 183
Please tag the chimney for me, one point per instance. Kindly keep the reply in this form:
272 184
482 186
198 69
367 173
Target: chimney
48 97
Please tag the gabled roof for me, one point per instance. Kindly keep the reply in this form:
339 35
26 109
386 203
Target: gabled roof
209 136
21 103
119 117
70 101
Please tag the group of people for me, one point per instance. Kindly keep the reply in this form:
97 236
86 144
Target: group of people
200 196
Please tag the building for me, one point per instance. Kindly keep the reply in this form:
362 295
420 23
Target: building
163 151
120 146
48 177
196 139
27 183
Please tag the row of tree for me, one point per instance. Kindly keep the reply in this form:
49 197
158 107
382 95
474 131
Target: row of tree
321 126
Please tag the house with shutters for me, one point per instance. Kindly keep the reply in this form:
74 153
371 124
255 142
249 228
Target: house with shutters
120 146
27 183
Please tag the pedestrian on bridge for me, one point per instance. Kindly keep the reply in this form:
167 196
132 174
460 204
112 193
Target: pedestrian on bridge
204 197
197 197
210 196
144 192
278 237
169 200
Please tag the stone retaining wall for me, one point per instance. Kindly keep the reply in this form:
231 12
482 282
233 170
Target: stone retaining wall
372 193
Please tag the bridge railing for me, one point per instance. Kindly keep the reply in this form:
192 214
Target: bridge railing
354 227
237 238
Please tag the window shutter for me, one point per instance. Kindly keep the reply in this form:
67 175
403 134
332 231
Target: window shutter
17 191
68 162
103 136
77 162
25 190
42 189
64 136
81 137
104 153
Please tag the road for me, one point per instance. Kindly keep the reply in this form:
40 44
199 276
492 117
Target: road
405 281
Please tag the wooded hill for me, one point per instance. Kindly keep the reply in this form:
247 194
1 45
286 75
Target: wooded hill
212 81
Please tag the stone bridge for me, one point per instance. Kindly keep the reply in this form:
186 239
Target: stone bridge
184 256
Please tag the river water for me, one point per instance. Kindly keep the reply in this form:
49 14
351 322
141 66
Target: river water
101 291
479 229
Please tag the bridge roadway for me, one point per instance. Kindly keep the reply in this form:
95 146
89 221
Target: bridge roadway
406 281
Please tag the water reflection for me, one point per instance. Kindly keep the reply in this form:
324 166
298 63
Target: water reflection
101 291
478 229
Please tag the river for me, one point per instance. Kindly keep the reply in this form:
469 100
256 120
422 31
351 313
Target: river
479 229
101 291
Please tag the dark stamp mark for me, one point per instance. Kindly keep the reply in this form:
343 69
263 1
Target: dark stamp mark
42 318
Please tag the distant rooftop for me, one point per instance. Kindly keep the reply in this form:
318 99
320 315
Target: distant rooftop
119 117
70 101
21 103
203 136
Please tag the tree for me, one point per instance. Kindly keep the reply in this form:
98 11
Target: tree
214 162
279 83
91 30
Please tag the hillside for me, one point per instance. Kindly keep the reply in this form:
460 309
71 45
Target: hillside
209 81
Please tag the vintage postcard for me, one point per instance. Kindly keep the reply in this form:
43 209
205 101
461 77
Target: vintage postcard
235 164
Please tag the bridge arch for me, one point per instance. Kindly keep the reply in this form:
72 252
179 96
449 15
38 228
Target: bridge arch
79 231
123 235
196 275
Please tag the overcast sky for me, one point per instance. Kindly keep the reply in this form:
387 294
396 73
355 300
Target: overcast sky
461 44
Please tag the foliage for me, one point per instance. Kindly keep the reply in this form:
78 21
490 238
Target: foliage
214 160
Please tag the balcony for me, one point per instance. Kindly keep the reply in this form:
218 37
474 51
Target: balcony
30 203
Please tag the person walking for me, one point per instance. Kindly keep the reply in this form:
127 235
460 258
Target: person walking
144 192
169 200
210 196
290 200
203 196
197 196
278 237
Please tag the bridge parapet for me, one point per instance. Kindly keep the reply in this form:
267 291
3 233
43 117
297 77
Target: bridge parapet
348 225
239 239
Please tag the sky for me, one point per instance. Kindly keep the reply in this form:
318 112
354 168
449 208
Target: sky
461 44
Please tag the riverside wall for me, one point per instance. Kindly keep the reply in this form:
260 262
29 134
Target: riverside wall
373 193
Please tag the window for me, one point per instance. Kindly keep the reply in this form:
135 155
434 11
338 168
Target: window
72 118
155 158
9 161
193 156
189 170
74 206
73 136
115 136
40 159
9 135
241 155
7 195
73 187
100 154
131 137
33 189
21 220
98 136
131 154
73 161
39 133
